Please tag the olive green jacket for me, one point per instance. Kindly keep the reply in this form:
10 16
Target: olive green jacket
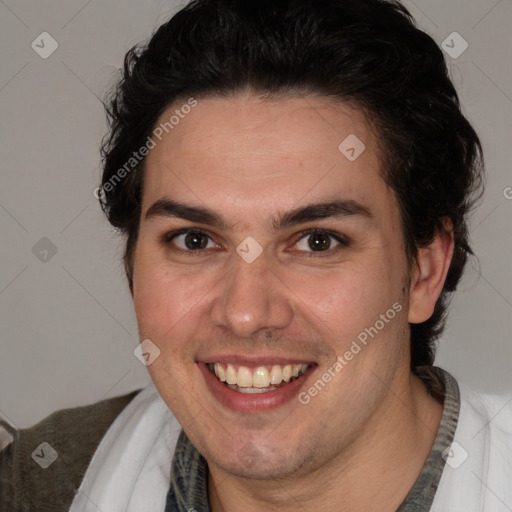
75 433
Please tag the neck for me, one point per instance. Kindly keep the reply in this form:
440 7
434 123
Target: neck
381 466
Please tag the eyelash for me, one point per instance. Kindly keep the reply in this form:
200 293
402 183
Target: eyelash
343 241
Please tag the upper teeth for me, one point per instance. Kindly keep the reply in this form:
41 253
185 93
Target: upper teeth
259 377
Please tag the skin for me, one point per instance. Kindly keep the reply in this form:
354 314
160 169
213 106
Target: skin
250 159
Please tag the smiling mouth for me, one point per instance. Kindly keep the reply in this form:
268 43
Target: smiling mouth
260 379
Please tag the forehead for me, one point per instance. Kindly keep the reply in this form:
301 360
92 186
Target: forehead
250 153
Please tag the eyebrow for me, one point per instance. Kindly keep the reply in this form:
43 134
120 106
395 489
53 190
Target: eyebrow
337 208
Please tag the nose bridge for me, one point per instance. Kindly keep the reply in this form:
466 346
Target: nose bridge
251 298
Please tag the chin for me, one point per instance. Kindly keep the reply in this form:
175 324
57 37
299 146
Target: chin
250 470
259 464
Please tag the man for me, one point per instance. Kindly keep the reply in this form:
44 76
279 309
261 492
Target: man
294 180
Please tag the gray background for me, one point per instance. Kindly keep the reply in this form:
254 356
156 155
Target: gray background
68 329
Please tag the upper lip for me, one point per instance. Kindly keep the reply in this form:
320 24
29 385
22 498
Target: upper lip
246 360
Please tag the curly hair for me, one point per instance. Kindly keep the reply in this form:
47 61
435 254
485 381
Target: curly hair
369 53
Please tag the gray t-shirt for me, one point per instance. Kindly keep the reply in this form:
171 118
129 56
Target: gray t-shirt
189 471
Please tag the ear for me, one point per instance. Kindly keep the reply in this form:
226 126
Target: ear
429 274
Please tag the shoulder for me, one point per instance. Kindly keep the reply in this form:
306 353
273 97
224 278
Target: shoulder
479 462
493 410
43 467
480 409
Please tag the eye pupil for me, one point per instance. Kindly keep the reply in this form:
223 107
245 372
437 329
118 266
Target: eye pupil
319 241
195 240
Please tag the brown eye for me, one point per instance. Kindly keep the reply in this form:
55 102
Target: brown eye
320 241
188 240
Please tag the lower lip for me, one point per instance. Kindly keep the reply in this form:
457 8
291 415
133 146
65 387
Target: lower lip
253 402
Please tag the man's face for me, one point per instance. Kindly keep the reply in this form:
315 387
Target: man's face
211 297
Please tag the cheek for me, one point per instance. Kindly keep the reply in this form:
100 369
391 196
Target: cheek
165 301
346 302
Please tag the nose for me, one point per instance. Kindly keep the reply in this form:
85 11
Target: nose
252 297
